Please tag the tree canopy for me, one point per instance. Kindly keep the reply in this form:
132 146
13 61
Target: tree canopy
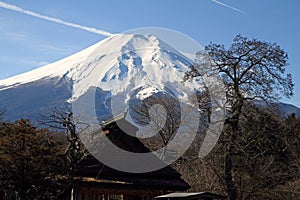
250 69
30 161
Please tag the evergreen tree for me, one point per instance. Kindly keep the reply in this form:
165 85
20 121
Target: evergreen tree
30 161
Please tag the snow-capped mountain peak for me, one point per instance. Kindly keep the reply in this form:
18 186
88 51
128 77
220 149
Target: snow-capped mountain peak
126 61
118 65
110 59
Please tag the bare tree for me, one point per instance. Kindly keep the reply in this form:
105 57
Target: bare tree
2 113
250 69
163 114
62 119
292 139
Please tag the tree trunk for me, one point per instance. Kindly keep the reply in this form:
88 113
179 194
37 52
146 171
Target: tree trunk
234 123
231 189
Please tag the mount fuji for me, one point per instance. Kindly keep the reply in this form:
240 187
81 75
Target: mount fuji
115 70
107 77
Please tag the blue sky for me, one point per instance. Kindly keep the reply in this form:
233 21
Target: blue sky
28 42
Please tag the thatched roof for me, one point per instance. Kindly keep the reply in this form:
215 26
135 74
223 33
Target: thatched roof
166 178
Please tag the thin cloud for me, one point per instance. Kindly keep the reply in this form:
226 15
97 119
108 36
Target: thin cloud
52 19
228 6
15 36
34 63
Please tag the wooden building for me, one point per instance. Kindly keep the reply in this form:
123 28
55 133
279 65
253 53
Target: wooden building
95 181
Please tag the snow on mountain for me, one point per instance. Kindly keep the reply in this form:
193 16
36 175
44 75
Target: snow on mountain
58 68
128 61
116 66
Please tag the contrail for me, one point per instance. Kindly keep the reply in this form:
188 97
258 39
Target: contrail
228 6
52 19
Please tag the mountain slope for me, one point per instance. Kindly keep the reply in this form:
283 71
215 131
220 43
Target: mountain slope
111 72
289 109
114 67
